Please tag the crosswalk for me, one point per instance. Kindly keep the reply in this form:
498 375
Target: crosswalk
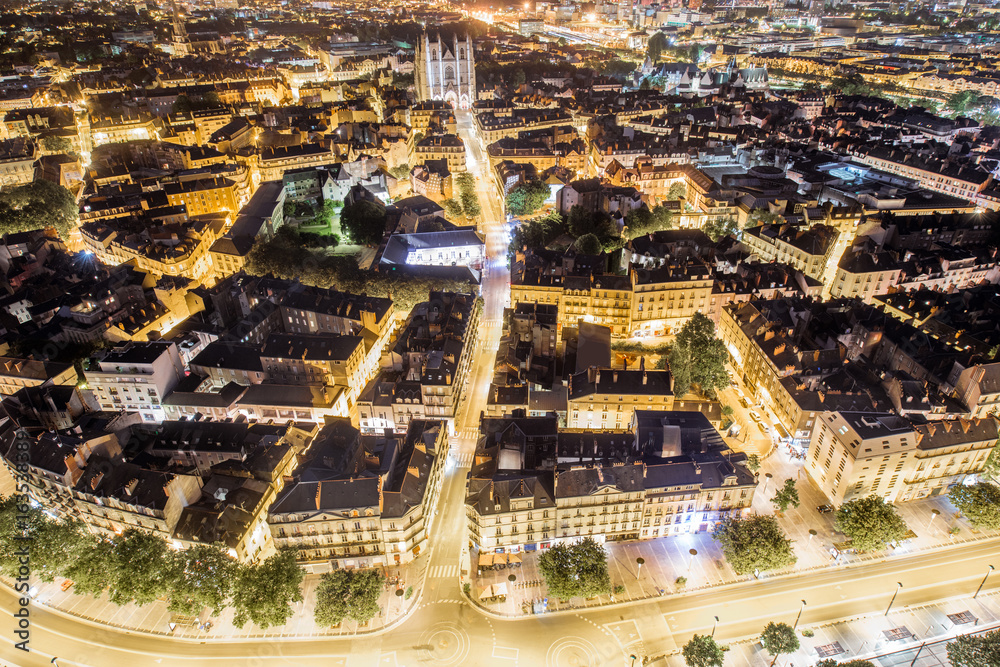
443 571
463 460
469 433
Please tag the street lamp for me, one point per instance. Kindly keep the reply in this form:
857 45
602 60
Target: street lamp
981 583
767 478
934 515
714 625
640 561
899 585
801 607
812 534
633 660
693 552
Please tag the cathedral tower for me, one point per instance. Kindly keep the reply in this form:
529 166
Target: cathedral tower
446 71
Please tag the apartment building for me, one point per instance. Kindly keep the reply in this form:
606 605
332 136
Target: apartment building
316 359
135 377
424 373
856 454
600 299
203 195
533 486
274 162
666 297
16 373
447 147
357 501
807 250
605 399
864 274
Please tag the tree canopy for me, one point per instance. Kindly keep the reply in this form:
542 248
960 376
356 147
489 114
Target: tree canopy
350 594
589 244
980 503
654 48
364 222
38 205
526 198
779 639
719 227
786 495
704 651
830 662
870 523
263 593
975 650
755 543
204 576
697 357
640 221
572 570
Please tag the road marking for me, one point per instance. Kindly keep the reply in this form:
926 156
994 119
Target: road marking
504 653
388 659
444 571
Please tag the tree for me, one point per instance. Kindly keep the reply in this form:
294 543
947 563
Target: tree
55 544
38 205
719 227
399 172
470 202
350 594
526 198
786 495
960 102
761 216
704 651
641 221
91 571
870 523
452 208
779 639
980 503
53 143
579 569
754 544
830 662
589 244
654 48
677 190
364 222
141 568
204 579
697 357
264 592
753 463
975 650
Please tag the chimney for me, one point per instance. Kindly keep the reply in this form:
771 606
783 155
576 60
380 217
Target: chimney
597 376
645 377
615 376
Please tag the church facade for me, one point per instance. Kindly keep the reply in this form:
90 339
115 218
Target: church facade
445 71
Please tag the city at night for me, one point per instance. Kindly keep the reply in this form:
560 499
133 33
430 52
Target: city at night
612 333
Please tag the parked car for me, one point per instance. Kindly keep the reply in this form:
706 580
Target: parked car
754 415
825 509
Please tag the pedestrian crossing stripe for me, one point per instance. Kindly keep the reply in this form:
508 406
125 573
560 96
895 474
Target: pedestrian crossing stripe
443 571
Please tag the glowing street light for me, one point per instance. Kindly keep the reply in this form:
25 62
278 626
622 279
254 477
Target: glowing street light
981 583
899 585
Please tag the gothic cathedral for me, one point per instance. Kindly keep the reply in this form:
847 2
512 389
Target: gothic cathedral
446 72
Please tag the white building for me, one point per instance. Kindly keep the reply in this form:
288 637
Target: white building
136 377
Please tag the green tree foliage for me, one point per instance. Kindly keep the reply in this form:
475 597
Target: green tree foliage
400 172
961 102
581 221
350 594
140 568
697 357
704 651
526 198
54 544
980 503
364 222
677 191
975 650
589 244
786 495
204 576
641 221
779 639
755 543
654 48
263 593
753 463
53 143
830 662
761 216
537 233
572 570
38 205
870 523
91 571
452 208
720 227
470 202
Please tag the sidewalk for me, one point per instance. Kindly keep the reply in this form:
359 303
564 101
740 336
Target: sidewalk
875 637
155 618
668 558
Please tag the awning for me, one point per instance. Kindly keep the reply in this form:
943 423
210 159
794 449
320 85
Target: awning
513 558
485 560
